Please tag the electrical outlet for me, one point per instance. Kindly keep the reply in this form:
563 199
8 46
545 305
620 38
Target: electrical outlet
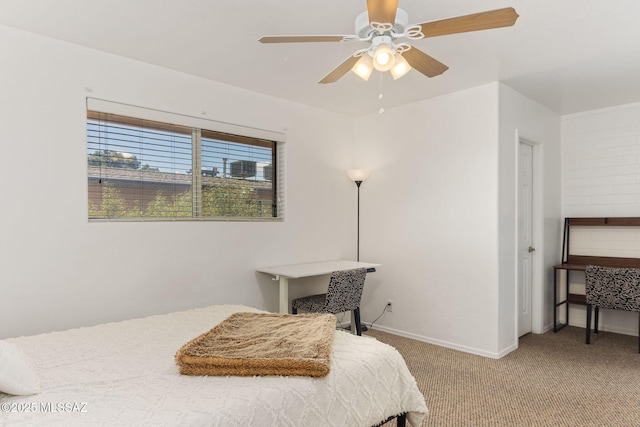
390 306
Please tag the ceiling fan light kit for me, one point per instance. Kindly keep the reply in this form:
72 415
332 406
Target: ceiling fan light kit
382 24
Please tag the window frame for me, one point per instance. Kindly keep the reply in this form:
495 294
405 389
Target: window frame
224 132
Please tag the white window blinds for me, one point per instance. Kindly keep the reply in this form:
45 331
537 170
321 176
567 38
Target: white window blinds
140 169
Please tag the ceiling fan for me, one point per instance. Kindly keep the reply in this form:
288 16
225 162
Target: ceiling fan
383 24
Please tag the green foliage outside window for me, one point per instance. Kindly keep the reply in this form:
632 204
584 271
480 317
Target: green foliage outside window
116 159
232 198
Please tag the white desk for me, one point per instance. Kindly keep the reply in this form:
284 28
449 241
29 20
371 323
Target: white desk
283 273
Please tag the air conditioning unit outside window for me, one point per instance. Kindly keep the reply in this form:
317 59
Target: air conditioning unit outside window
268 172
243 169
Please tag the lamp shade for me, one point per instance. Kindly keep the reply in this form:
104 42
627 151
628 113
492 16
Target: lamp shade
400 68
358 174
383 58
364 67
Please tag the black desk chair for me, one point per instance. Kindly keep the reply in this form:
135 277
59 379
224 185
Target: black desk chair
344 294
611 287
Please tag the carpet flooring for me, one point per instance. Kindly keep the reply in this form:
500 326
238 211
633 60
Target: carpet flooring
552 379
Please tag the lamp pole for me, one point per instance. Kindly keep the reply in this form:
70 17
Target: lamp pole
358 224
357 176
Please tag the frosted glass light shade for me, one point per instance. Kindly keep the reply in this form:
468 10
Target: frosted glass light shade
401 68
364 67
358 174
383 58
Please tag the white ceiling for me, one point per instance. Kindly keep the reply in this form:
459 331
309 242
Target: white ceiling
569 55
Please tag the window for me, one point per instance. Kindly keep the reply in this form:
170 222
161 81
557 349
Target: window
141 169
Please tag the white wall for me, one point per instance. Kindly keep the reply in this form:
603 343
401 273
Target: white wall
59 271
431 209
522 118
601 178
439 214
429 216
601 162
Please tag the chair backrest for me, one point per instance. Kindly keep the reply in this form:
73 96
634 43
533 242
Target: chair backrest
345 290
613 287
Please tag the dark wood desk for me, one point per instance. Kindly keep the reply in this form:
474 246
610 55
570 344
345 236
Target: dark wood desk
580 262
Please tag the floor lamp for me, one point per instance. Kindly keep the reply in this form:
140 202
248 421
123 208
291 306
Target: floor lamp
357 176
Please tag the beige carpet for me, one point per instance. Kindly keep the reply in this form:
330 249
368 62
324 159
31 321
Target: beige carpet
550 380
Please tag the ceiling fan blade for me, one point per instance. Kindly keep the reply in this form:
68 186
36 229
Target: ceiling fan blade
382 11
303 39
478 21
422 62
340 70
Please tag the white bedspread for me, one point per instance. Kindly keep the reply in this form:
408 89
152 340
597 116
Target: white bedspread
124 373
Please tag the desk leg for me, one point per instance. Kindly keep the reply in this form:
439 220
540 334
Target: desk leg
353 323
284 294
566 297
555 300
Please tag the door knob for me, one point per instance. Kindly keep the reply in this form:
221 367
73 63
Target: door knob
531 249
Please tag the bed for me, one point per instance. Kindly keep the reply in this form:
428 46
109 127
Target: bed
124 373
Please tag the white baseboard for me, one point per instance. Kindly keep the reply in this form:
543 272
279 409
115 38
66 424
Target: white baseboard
578 318
447 344
607 328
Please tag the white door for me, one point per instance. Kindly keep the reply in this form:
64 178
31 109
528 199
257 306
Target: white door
525 239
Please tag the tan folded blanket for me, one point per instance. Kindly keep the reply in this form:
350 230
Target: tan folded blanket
247 344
